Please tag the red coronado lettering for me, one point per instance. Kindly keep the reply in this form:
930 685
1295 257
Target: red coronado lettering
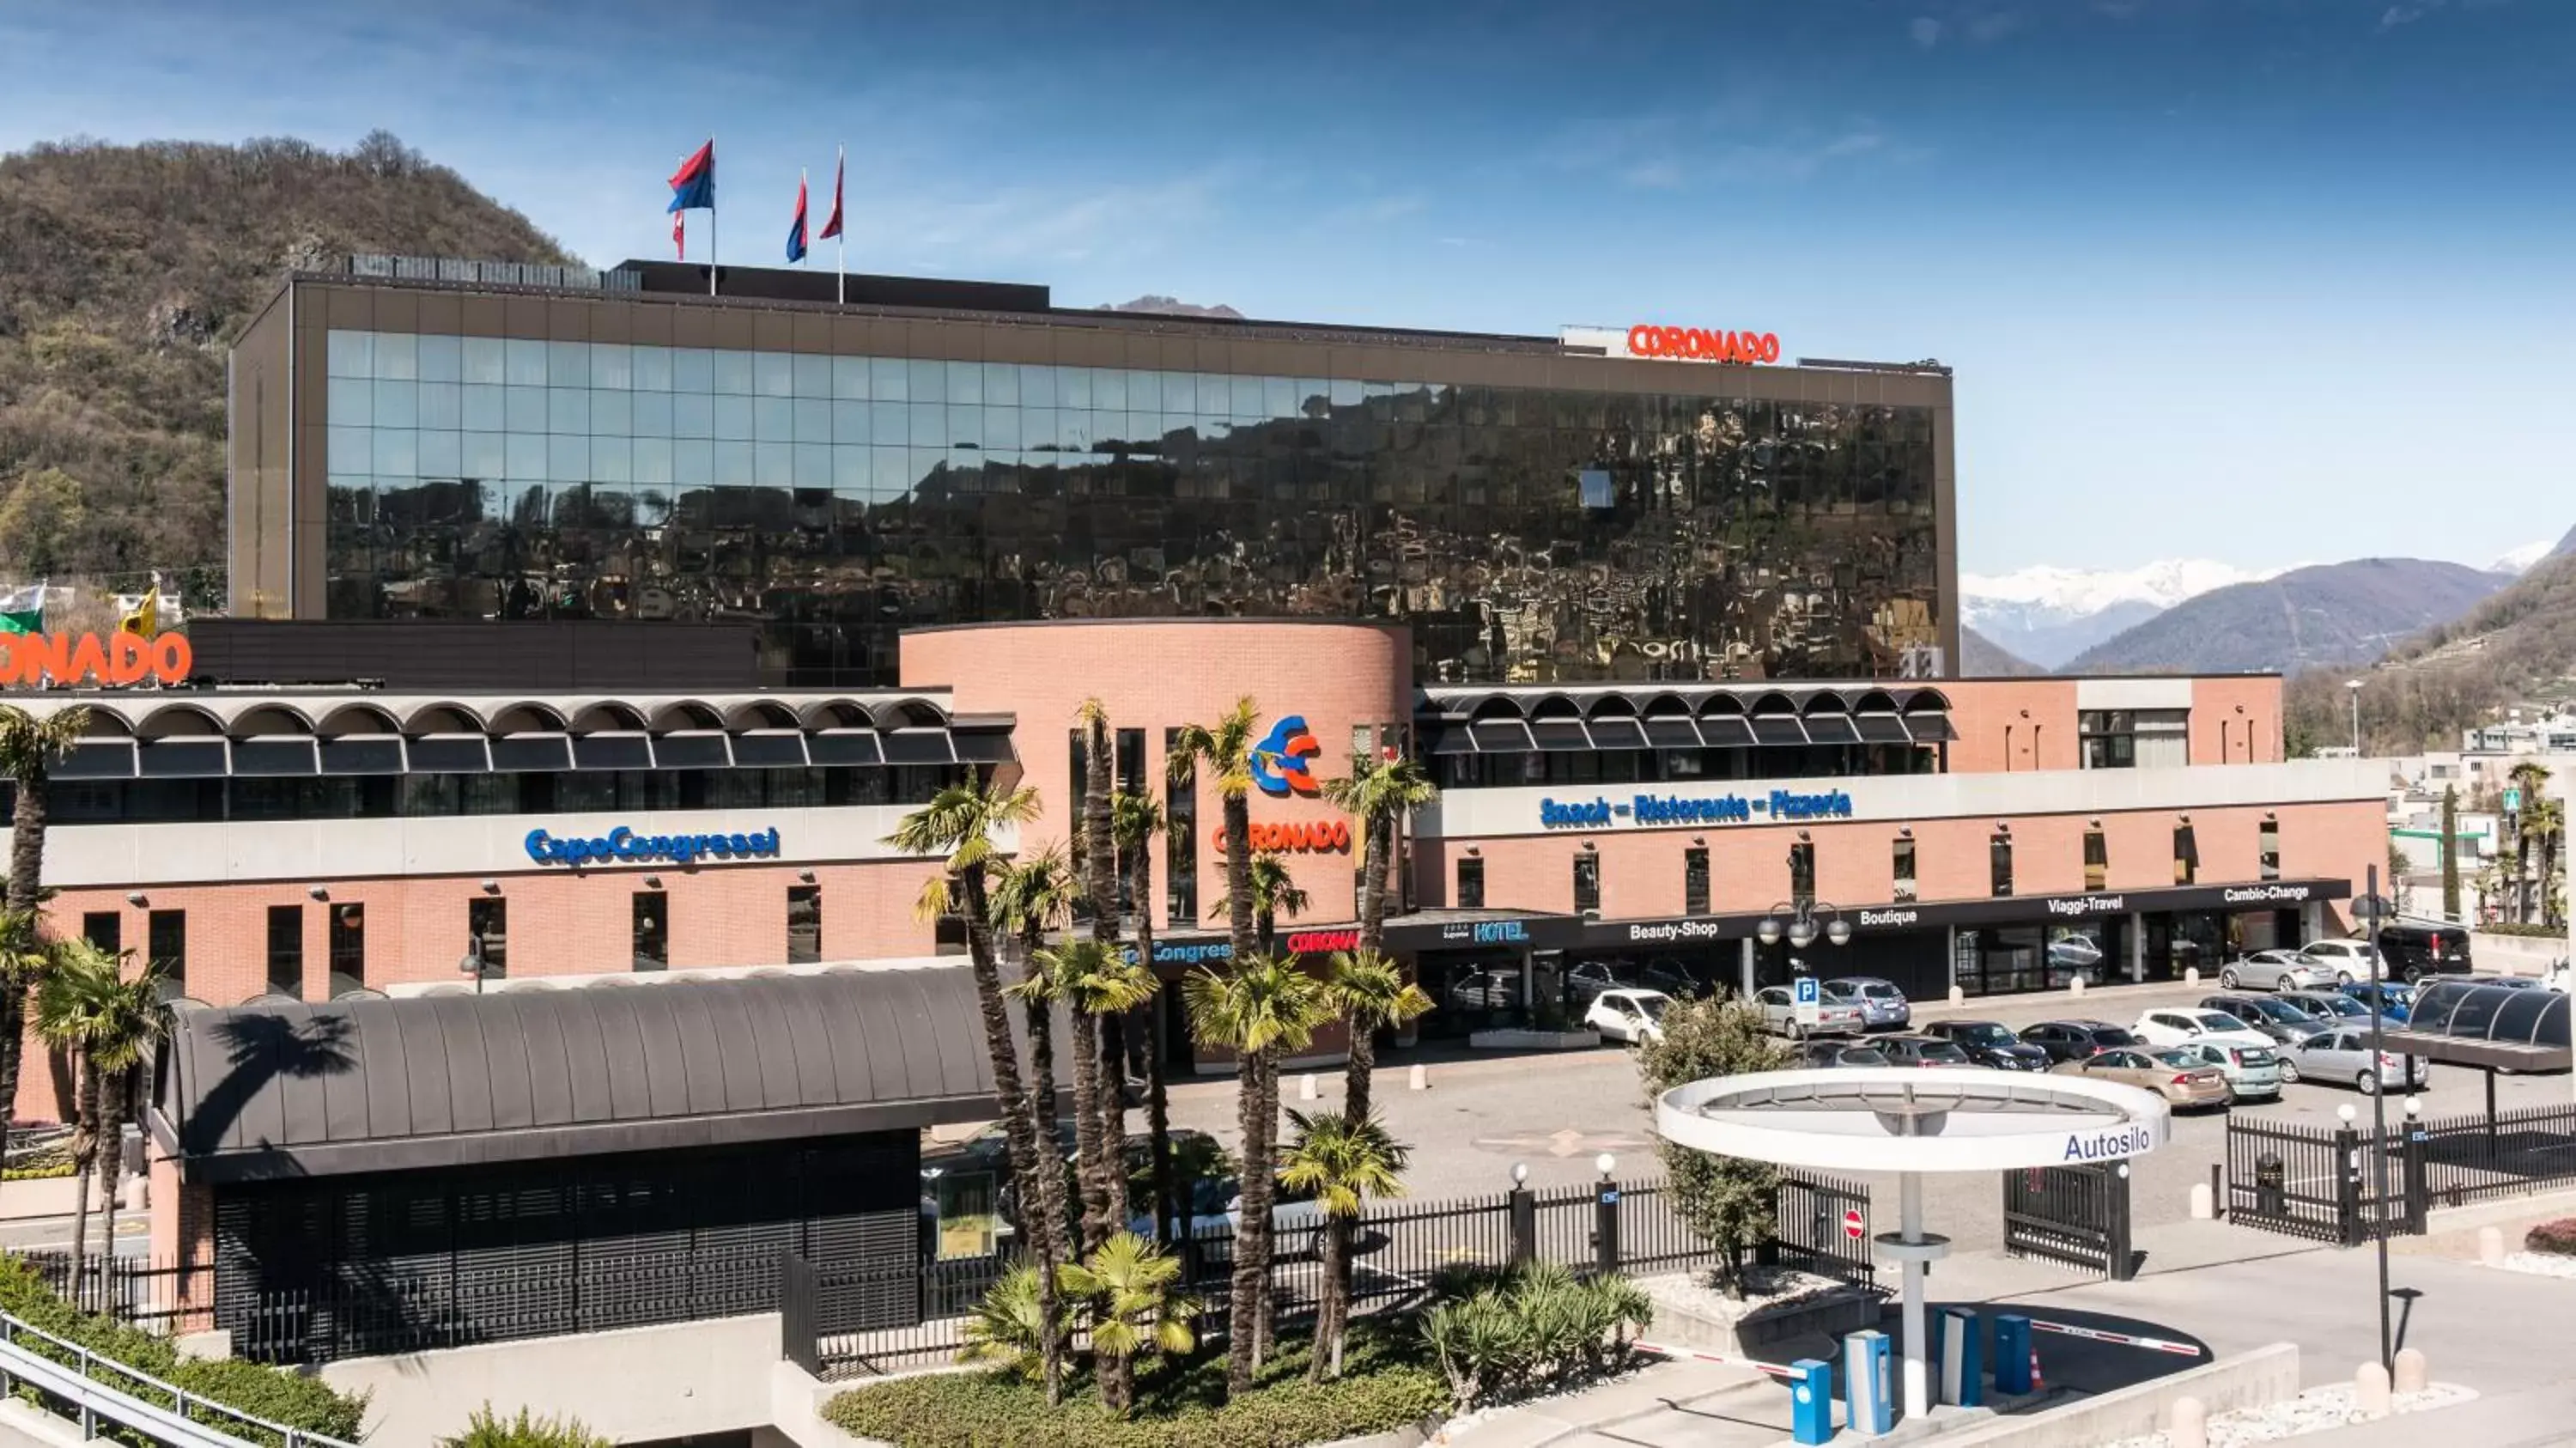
1322 942
1320 835
120 658
1699 345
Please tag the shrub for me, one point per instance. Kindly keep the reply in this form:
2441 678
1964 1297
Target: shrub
1729 1202
1529 1328
2557 1238
1180 1403
2524 929
486 1430
275 1394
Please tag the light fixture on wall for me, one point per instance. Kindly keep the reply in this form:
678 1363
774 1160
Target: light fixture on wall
2094 823
1805 835
2003 827
1475 849
135 899
1905 832
1589 847
2025 713
2182 819
2271 817
652 882
317 892
491 887
1699 839
805 875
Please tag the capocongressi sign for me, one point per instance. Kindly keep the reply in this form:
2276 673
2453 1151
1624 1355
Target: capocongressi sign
119 658
625 846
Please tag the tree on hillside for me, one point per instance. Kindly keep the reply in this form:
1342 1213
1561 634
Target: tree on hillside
1730 1202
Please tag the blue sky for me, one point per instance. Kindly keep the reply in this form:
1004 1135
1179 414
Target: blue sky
2255 280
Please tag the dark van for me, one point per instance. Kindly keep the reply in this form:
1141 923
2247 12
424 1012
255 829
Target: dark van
2414 948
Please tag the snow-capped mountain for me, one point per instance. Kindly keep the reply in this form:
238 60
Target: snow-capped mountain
2048 614
2520 559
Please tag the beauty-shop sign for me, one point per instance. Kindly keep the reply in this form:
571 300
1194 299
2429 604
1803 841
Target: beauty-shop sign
73 660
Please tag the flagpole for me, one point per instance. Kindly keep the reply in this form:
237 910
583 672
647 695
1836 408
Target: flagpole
840 233
712 253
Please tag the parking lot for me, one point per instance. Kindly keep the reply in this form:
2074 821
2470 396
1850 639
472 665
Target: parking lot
1557 1111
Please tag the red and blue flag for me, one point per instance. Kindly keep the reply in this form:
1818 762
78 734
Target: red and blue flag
693 186
796 227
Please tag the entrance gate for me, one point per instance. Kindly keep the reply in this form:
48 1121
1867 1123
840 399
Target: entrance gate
2077 1215
1813 1225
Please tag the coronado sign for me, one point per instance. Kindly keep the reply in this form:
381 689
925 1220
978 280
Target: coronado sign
119 658
1694 344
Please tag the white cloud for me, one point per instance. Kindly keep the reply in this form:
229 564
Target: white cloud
2396 15
1925 30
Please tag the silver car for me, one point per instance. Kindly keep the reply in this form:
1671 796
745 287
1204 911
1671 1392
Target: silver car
2271 1015
2330 1006
1780 1013
2342 1057
1880 1002
2274 970
2250 1070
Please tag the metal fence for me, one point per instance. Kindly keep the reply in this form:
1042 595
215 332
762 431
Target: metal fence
2341 1184
2469 1158
2075 1215
1401 1251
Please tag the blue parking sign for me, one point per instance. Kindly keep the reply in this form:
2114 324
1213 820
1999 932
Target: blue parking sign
1809 991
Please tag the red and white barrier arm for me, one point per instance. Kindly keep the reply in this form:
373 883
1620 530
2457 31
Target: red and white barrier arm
1659 1350
2095 1334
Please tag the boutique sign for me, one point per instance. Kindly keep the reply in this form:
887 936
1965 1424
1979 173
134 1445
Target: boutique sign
1601 812
623 846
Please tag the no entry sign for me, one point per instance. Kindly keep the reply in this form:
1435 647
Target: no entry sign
1853 1225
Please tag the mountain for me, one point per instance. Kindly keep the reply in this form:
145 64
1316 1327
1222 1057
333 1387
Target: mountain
2335 614
2519 560
129 270
2049 615
1982 658
1164 306
2517 647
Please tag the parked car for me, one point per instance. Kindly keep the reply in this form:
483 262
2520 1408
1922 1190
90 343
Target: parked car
1216 1211
2075 1040
1633 1016
2275 1018
1586 979
2176 1076
1880 1002
1990 1043
2189 1026
1483 990
2509 982
2250 1070
2342 1056
1672 980
2396 998
2418 948
1923 1051
2075 955
2273 970
1780 1013
1829 1054
2345 961
2330 1006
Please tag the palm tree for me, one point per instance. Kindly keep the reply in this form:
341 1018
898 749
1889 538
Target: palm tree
2527 777
1032 896
1274 893
89 1008
1343 1160
1129 1282
1262 1008
1090 980
1369 992
1100 887
2545 822
1379 796
29 748
1135 820
958 824
1227 749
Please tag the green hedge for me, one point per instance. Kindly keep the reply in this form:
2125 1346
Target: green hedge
275 1394
1386 1384
43 1172
2530 932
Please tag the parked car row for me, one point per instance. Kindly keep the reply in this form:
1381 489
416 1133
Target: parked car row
2406 950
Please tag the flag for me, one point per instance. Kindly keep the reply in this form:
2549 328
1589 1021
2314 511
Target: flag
796 227
693 186
832 223
144 617
680 234
22 610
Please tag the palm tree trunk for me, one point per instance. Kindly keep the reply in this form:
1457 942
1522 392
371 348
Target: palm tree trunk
1086 1121
26 879
1251 1262
1238 875
1104 1124
84 1161
1013 1101
1158 1112
1327 1357
1378 844
111 1168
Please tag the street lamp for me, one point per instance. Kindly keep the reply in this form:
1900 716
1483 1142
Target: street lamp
1801 928
2353 687
471 963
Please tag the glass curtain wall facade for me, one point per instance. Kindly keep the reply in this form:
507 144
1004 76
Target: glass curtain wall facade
1525 534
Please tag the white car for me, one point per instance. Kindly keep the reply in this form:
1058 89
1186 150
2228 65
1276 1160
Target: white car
1780 1013
2346 960
2273 970
2191 1026
1628 1015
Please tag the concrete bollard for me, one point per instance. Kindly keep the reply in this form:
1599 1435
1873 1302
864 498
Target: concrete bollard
2203 1207
2414 1375
2370 1390
2191 975
1306 1087
1418 1079
2491 1246
2075 985
1958 996
2190 1424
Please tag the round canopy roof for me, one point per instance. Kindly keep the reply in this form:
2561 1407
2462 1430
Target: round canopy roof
1906 1120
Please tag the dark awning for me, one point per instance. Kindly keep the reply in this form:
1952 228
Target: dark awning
437 1082
1930 728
